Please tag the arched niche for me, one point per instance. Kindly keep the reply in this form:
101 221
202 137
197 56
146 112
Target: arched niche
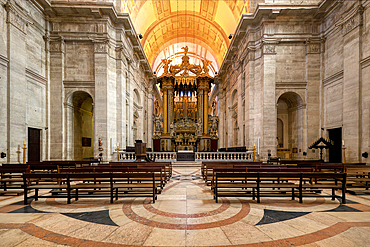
290 123
80 126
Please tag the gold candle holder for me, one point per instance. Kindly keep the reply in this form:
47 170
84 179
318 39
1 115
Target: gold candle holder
24 152
254 152
343 154
117 153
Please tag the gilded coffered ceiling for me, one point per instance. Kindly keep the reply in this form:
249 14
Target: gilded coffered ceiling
168 25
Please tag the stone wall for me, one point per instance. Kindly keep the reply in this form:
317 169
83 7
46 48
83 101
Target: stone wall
345 82
23 75
49 58
318 64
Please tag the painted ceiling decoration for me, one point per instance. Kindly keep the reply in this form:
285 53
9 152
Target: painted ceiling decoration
202 25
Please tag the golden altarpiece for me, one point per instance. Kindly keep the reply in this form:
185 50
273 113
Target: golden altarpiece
185 124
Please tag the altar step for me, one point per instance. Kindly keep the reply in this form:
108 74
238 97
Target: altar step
186 164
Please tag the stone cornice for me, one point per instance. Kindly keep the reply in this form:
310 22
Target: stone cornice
365 62
333 78
79 84
4 61
253 20
35 76
291 85
61 9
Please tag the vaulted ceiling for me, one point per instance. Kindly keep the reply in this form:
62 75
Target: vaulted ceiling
168 25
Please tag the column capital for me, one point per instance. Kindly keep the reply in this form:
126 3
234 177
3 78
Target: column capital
57 44
101 47
352 20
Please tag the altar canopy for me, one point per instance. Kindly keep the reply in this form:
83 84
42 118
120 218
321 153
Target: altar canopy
185 123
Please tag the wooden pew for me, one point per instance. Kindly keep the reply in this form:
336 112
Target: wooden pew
358 178
11 179
49 181
111 184
232 185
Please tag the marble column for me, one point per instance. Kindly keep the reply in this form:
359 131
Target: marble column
56 129
351 31
165 111
205 116
16 130
269 120
101 99
311 120
150 116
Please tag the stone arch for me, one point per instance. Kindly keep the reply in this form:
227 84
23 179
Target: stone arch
290 112
234 97
80 125
137 99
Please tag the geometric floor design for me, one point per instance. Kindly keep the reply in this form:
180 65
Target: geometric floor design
185 214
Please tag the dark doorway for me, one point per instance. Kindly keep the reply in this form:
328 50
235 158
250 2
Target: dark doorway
335 153
34 145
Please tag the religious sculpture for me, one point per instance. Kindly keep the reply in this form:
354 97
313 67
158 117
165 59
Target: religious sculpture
186 49
156 109
199 127
185 66
165 65
172 130
206 63
213 108
100 145
157 125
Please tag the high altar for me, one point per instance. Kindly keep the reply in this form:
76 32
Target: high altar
185 124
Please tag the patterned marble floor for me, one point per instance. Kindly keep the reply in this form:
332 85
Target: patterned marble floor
185 214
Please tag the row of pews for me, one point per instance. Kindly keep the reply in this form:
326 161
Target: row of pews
73 180
295 179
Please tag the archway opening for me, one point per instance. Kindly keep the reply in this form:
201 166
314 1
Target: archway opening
80 122
289 126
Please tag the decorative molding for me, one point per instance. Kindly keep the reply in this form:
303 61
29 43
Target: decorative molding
333 78
57 45
35 76
100 48
79 84
313 48
4 61
352 21
351 24
291 85
17 21
269 49
365 62
16 16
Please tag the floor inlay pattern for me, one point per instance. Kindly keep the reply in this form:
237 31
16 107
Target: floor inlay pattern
185 214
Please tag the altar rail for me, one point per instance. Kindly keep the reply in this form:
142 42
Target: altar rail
157 156
199 156
224 156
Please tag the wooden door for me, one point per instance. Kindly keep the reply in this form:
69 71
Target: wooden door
34 145
335 153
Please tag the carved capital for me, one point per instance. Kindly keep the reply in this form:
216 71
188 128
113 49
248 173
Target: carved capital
15 17
101 47
56 45
313 48
269 49
353 21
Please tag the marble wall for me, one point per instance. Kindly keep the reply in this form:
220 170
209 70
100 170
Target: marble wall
318 64
48 59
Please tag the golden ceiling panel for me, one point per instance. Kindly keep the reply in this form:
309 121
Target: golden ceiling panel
162 22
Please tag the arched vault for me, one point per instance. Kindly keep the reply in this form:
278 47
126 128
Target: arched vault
202 24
